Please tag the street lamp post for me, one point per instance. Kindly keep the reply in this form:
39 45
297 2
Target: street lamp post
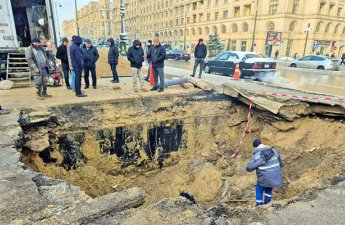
58 4
123 35
255 20
76 16
184 33
306 39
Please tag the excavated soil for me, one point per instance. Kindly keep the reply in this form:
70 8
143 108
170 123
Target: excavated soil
164 145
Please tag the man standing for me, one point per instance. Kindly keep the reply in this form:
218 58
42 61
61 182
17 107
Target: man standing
276 54
158 55
342 59
39 67
135 55
267 162
77 63
148 46
70 63
200 53
90 57
63 56
113 59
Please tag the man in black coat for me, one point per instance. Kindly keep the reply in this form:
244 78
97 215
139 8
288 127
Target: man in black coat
158 55
77 63
113 59
135 55
342 59
63 56
200 53
90 57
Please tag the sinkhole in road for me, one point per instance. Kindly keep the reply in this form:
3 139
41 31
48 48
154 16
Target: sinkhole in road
164 145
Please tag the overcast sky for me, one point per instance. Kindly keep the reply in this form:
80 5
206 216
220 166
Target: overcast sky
67 10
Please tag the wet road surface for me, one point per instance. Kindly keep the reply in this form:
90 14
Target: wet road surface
324 82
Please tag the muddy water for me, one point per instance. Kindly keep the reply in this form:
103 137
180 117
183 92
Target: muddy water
164 146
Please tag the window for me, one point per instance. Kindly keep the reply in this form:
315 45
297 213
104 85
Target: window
322 7
194 6
295 6
188 20
237 11
339 11
194 18
208 16
182 21
201 17
223 57
244 46
328 27
307 58
209 2
217 2
273 6
226 1
233 45
223 29
292 27
216 15
245 27
234 28
247 10
316 58
225 14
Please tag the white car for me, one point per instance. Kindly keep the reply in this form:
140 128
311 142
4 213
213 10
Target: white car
316 62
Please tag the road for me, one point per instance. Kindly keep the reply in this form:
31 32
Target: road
324 82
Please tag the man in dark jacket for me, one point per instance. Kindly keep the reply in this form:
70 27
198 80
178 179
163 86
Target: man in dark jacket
148 47
77 63
158 55
63 56
135 55
342 59
267 162
113 57
90 57
39 67
200 53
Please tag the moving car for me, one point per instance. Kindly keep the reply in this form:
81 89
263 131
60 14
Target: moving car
178 55
167 47
250 63
316 62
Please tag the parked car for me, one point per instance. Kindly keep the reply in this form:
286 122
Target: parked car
250 63
167 47
178 55
316 62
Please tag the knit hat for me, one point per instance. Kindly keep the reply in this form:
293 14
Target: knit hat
256 143
36 40
201 40
64 39
87 41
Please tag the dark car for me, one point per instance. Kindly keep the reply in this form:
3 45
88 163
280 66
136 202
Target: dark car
250 63
178 55
167 47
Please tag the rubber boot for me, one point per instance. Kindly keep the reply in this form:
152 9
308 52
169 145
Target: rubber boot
39 93
44 93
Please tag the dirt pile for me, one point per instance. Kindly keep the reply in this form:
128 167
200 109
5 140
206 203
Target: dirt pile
103 68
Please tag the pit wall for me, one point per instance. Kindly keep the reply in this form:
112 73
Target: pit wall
164 146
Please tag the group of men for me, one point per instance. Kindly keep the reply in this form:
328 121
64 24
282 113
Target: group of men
76 59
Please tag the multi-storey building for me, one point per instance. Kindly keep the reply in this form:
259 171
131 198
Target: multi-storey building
234 21
94 21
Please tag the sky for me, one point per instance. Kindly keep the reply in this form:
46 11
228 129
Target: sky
67 10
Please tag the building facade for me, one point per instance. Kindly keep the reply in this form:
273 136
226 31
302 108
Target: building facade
93 20
233 20
280 25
